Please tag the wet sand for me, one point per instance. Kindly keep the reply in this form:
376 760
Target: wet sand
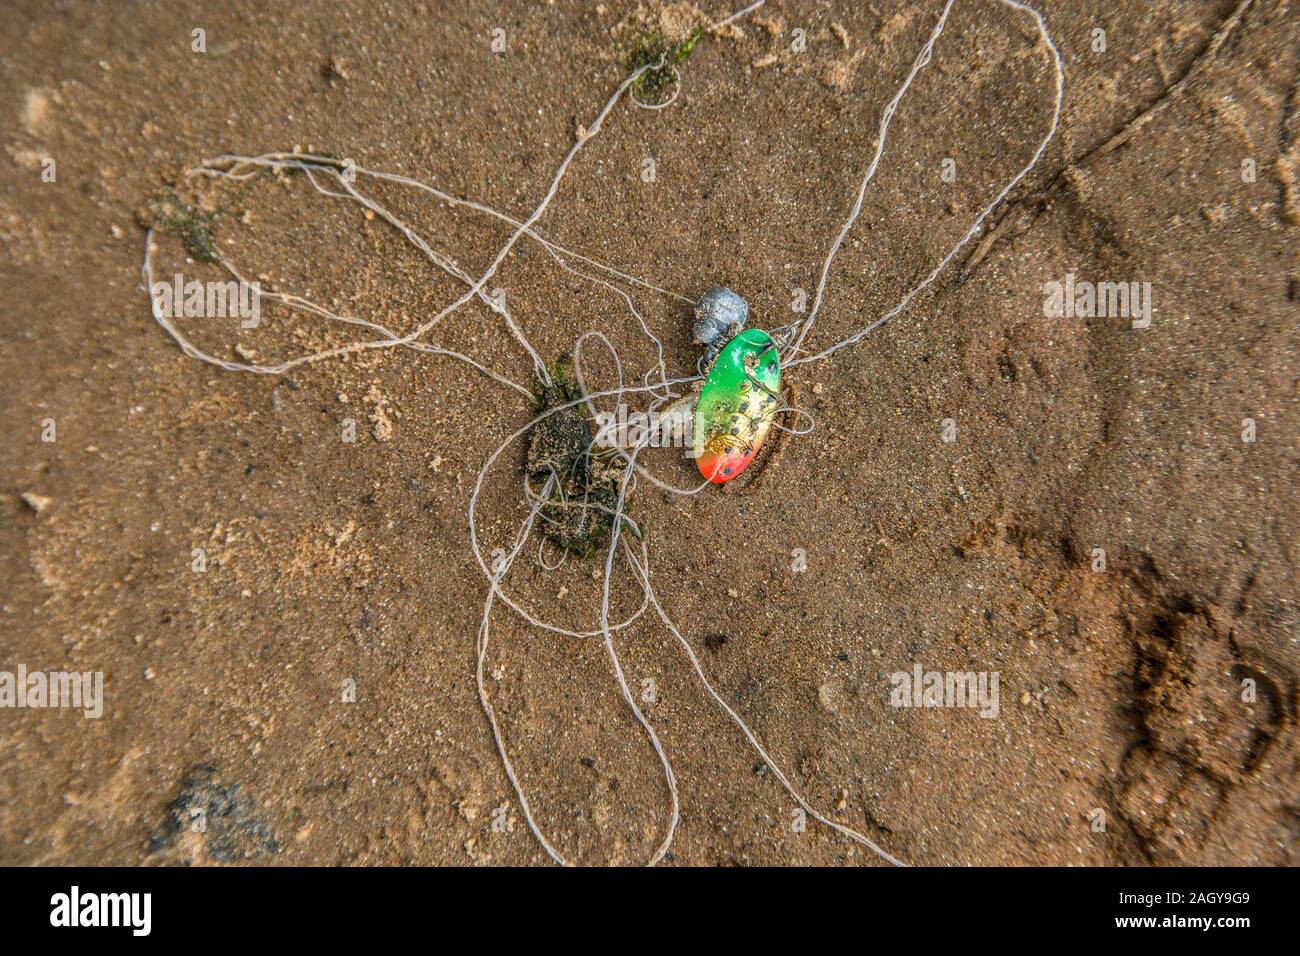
1120 688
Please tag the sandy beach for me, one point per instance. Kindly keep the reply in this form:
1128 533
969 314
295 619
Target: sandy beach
1087 504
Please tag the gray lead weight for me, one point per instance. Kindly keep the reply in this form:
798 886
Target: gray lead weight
720 312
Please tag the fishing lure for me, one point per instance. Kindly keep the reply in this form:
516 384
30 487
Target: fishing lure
737 403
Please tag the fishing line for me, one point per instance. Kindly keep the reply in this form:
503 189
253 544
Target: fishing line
657 387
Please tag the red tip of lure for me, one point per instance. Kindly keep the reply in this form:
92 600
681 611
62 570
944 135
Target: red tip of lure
720 468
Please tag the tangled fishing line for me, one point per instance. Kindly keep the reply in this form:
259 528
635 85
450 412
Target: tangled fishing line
338 180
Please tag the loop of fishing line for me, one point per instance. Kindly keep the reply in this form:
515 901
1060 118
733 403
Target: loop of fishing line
657 387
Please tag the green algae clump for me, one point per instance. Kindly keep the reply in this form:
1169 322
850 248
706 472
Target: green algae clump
579 512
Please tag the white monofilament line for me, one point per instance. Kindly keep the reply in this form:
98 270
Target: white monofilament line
310 165
296 303
643 572
737 15
662 387
886 118
304 161
474 290
975 226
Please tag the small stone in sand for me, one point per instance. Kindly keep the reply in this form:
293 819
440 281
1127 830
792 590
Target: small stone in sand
37 503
